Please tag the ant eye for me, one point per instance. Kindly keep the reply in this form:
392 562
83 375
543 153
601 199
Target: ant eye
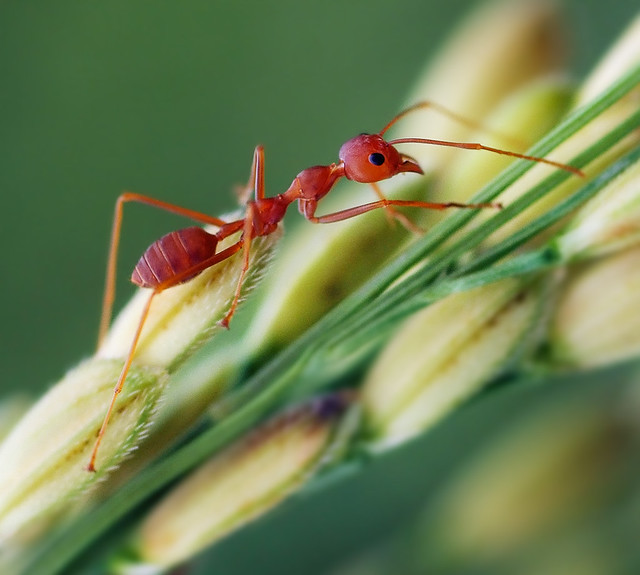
377 159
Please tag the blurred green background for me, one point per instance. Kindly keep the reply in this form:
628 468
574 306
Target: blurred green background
169 99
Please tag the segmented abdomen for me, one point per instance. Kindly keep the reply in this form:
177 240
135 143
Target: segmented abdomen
169 260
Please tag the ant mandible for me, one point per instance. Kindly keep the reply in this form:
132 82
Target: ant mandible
181 255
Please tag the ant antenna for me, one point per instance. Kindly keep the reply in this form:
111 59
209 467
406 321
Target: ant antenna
465 145
475 146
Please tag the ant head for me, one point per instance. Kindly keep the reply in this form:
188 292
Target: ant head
369 158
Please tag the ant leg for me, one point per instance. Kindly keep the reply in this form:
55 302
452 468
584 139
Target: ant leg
257 175
120 383
256 179
257 170
247 236
109 290
389 212
204 264
395 214
357 210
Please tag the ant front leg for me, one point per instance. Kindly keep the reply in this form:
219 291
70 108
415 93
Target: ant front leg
308 208
395 214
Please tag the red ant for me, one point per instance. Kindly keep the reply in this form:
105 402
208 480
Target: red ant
181 255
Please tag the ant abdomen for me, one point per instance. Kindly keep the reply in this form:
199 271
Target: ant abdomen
172 256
